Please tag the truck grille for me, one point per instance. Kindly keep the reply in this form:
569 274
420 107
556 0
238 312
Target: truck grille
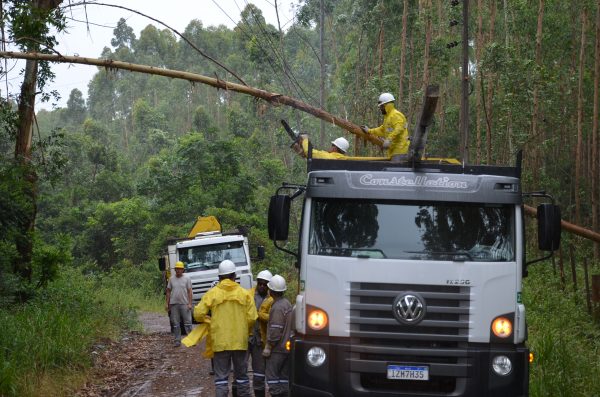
438 341
202 285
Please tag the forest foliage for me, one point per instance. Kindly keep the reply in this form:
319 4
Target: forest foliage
142 156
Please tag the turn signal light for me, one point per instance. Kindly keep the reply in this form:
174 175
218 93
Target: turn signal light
531 357
502 327
317 319
288 345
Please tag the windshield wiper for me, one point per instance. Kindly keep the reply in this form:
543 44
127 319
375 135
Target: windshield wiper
456 255
353 252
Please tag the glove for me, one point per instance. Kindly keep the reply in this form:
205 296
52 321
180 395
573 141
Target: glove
364 129
267 351
386 143
297 148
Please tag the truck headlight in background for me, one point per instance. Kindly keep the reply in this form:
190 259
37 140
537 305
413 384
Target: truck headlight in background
315 357
502 365
502 327
317 319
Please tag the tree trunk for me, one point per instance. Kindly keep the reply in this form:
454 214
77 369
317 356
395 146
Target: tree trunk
428 34
534 118
401 99
26 114
273 98
579 149
380 49
595 161
509 142
490 89
478 91
322 67
411 77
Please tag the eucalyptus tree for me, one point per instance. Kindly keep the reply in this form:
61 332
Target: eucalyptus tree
30 26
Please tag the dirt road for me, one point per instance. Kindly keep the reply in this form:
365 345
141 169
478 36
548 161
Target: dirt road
147 364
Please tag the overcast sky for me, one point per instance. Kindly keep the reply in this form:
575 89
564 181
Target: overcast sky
175 13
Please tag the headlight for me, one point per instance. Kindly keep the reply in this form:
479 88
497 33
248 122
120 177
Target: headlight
317 319
315 357
502 365
502 327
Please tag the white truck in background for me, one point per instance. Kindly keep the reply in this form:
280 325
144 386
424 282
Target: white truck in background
202 251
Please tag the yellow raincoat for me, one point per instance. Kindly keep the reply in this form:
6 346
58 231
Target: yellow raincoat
263 315
200 332
394 129
232 315
321 154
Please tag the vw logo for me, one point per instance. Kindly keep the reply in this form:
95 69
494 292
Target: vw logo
409 308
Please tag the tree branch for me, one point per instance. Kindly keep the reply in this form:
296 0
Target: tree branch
271 97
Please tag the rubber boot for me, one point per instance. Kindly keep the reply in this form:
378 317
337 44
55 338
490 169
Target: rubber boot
259 393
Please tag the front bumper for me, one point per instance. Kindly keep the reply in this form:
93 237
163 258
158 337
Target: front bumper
348 371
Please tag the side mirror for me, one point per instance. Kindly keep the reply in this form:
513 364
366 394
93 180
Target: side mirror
548 217
162 264
279 217
260 252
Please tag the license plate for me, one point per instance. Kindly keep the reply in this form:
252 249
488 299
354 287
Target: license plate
407 372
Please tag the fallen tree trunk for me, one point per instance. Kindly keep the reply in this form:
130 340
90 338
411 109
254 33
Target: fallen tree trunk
569 227
270 97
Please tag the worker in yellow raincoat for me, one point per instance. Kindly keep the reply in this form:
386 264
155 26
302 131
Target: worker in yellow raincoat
394 128
256 343
337 151
232 316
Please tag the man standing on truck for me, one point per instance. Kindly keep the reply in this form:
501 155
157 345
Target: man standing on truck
394 128
278 365
232 316
337 151
179 302
258 337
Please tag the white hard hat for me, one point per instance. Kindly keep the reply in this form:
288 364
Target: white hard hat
385 98
226 267
264 275
341 143
277 284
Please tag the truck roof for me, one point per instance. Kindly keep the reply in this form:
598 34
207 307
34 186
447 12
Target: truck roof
208 240
438 165
422 181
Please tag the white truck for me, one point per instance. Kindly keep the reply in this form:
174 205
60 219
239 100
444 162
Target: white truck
410 279
202 251
410 276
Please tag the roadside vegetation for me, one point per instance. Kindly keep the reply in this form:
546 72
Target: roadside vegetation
46 343
562 335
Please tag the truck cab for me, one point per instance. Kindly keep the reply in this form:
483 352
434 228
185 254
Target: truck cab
410 279
201 257
201 252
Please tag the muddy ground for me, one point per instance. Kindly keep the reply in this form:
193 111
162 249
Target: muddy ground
147 364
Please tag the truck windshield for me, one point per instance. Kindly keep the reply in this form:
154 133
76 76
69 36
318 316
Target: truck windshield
416 231
206 257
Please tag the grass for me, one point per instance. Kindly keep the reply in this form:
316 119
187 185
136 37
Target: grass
45 344
563 336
